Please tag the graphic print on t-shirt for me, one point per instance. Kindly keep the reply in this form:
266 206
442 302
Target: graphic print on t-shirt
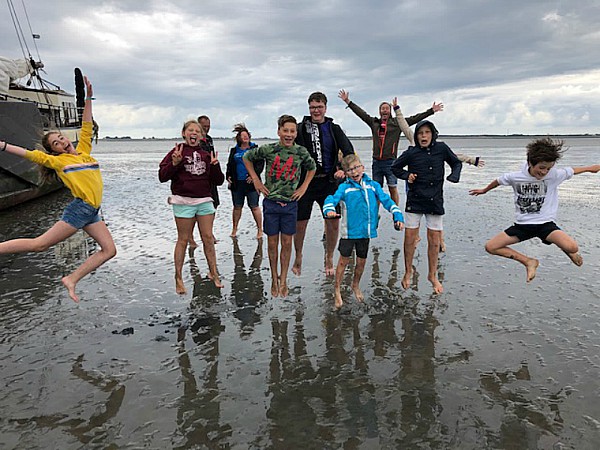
194 164
531 196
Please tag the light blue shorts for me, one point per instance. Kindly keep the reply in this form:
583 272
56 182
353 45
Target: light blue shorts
191 211
80 214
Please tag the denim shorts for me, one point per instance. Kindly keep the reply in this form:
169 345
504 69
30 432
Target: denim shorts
191 211
244 191
383 168
80 214
279 217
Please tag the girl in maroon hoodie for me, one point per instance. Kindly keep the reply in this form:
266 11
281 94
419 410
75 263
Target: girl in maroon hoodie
192 171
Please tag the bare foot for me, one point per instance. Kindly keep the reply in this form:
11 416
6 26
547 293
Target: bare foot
217 281
338 299
329 269
297 267
442 247
179 286
274 288
70 288
193 244
283 288
437 286
259 235
576 258
532 265
358 294
405 283
233 233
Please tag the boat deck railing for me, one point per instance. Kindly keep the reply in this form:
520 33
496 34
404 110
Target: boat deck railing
53 116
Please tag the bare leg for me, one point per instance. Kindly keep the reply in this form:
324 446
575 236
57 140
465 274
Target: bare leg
257 214
498 245
208 244
332 230
185 226
410 241
339 275
299 245
433 253
57 233
99 232
394 194
358 271
192 243
236 216
567 244
286 254
272 249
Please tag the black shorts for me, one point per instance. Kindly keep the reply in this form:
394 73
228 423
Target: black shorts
347 245
526 232
318 190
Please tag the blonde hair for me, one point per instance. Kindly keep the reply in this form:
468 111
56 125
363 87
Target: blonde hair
193 122
349 160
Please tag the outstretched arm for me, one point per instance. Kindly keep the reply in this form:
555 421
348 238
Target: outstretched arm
87 109
402 122
473 160
13 149
493 185
583 169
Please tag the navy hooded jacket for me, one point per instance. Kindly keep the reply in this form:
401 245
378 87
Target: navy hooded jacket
426 194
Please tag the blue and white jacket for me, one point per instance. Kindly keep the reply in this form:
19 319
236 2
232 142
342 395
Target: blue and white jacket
360 210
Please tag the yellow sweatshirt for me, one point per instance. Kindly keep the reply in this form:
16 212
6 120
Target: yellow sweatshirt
80 173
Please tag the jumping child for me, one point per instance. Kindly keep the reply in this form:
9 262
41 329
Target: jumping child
80 172
536 204
192 169
359 197
284 162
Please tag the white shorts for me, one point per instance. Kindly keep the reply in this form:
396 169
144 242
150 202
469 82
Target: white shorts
432 221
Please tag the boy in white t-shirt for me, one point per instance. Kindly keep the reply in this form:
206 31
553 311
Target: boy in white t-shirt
536 204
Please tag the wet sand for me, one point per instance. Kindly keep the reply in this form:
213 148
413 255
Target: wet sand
493 362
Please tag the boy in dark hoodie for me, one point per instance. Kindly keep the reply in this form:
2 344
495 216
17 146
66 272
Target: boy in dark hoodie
424 173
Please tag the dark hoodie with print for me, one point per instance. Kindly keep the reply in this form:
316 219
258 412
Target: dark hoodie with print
426 194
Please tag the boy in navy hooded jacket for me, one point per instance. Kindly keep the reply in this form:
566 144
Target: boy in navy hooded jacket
422 166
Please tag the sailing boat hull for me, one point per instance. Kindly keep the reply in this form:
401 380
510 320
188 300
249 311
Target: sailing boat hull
20 180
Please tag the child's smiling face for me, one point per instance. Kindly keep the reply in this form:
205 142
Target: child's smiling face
541 169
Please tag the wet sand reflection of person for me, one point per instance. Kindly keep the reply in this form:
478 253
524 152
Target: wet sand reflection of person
199 411
421 408
247 287
98 427
519 411
292 386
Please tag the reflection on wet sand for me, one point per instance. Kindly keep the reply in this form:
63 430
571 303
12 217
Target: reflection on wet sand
199 410
92 429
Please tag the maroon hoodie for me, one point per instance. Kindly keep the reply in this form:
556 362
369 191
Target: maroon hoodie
194 175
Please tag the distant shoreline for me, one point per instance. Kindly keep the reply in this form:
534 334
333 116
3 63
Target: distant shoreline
368 138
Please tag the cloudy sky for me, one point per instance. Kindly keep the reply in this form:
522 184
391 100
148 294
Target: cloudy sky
504 66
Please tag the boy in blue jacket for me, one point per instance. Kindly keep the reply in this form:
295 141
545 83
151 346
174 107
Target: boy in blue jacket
359 197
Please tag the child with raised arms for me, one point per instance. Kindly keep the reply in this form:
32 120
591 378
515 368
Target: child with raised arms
359 197
535 189
284 163
192 170
80 172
